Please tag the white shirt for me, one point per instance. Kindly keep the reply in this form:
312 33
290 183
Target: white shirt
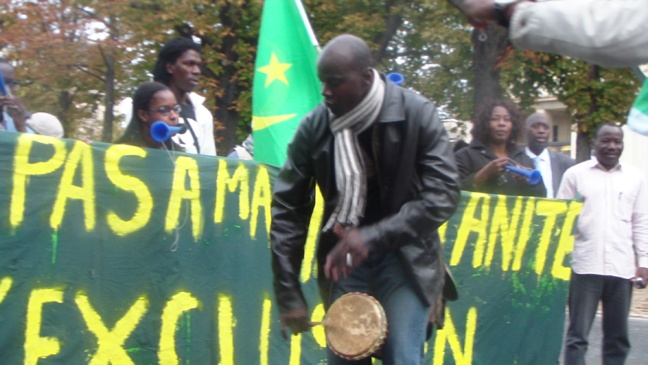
612 231
542 163
203 127
606 33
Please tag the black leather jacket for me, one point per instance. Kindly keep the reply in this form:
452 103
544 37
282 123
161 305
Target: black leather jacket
419 191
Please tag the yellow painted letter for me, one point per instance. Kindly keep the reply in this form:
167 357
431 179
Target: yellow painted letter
469 223
226 323
142 193
110 343
449 333
264 336
81 155
23 169
505 226
525 233
180 303
37 347
224 182
5 285
550 209
185 166
566 243
309 267
318 331
261 198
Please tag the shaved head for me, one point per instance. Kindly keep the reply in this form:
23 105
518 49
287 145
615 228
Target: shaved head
344 68
538 118
349 50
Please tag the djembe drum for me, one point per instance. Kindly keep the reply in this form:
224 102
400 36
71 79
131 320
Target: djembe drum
355 326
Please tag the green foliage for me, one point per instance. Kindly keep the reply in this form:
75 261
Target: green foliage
593 95
71 54
425 40
65 50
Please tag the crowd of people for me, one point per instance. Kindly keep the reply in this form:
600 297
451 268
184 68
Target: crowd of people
496 132
368 126
611 244
356 251
169 98
390 177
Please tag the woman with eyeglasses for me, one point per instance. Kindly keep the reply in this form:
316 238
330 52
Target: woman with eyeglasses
497 126
152 102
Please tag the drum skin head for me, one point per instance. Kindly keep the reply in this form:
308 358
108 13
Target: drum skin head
355 326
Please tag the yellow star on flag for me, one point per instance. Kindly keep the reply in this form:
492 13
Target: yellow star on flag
275 70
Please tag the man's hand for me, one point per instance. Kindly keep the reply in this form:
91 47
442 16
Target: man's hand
16 110
479 10
297 320
349 253
641 278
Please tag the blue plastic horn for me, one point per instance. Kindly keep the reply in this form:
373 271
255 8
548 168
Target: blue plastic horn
161 131
534 176
396 78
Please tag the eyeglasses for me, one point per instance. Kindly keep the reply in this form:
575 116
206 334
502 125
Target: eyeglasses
167 109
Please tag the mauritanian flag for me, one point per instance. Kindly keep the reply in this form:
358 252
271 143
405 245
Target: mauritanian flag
638 117
285 79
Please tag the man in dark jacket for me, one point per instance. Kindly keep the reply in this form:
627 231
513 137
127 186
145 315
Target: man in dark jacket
385 168
552 165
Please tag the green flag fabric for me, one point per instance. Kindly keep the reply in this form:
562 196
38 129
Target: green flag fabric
285 81
638 117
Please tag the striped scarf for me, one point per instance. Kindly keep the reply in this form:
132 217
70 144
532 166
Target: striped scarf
350 174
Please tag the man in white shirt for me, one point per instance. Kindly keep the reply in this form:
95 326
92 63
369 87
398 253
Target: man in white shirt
610 247
602 32
179 67
552 165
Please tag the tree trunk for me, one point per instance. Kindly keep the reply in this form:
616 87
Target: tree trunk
65 103
227 112
109 99
489 44
109 82
585 134
226 115
393 22
583 149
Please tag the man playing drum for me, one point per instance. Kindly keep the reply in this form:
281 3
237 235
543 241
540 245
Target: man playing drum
384 165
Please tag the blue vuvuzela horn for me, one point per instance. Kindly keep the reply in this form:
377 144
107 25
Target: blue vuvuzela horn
534 176
396 78
161 131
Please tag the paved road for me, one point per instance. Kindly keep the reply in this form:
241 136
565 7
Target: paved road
638 337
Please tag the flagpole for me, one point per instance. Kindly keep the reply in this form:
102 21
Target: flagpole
304 17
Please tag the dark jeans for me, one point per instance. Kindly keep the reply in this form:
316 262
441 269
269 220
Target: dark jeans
585 292
383 277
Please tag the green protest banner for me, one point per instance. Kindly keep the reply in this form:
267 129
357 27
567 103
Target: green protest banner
115 254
